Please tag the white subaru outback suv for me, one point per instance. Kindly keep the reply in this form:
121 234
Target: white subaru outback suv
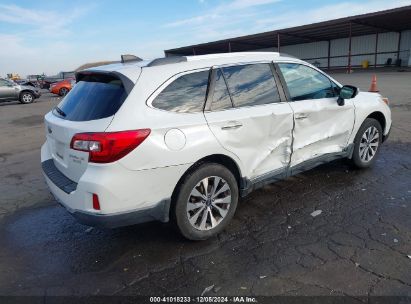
182 138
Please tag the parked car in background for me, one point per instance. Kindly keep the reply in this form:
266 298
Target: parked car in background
25 82
62 87
182 138
9 91
47 82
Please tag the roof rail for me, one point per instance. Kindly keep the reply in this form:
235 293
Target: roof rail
166 60
227 55
129 58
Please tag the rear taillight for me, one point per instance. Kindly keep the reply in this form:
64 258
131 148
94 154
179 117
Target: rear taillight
96 202
386 100
107 147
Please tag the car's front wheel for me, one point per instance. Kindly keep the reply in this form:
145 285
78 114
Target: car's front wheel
206 201
26 97
367 143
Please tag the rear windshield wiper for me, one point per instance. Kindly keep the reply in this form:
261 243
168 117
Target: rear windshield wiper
60 111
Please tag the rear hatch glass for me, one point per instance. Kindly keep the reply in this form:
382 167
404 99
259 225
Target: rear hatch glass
88 107
95 96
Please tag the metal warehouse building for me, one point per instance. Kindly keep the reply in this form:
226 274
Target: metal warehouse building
380 38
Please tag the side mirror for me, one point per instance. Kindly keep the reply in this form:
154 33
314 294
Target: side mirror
346 92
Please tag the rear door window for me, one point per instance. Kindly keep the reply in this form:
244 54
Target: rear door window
185 94
96 96
251 84
221 96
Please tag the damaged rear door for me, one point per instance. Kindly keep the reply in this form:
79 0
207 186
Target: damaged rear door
322 127
247 116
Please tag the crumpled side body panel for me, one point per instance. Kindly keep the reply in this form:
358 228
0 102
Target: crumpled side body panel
321 127
263 142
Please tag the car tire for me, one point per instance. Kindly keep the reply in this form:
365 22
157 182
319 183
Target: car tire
367 143
26 97
63 91
206 202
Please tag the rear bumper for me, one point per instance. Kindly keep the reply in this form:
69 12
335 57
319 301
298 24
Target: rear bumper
57 178
67 195
126 197
159 212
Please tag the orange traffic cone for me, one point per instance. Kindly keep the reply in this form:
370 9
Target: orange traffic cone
373 87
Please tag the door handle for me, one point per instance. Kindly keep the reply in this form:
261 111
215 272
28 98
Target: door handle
301 116
232 125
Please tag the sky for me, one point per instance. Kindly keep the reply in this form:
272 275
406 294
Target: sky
51 36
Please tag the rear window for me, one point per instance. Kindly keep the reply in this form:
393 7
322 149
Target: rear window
185 94
94 97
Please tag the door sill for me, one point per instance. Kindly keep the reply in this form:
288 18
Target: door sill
249 185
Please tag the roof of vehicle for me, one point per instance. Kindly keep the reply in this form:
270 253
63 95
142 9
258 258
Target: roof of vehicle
178 64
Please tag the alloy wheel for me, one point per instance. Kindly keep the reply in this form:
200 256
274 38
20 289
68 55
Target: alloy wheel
208 203
369 144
